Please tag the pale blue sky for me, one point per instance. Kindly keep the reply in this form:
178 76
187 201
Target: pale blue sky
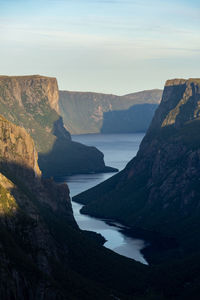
111 46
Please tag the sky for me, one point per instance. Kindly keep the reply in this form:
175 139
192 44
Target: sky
108 46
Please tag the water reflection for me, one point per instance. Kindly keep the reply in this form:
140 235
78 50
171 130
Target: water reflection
116 240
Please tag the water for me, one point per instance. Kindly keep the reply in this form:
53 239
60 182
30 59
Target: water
118 149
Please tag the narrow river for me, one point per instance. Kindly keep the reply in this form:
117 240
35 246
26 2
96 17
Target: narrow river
118 149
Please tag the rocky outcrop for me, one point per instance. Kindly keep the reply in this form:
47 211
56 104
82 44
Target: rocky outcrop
17 147
158 190
83 112
19 162
26 242
32 102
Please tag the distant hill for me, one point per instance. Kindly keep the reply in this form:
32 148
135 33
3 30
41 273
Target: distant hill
147 96
83 112
135 119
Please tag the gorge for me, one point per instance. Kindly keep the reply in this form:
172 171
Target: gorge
99 150
45 255
118 150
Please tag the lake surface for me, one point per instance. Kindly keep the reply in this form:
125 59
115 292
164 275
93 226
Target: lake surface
118 149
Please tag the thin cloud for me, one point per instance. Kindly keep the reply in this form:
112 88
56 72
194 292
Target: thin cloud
120 40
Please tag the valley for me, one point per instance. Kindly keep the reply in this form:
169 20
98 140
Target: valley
99 150
118 150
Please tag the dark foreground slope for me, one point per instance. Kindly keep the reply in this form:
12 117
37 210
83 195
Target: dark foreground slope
32 102
159 192
84 112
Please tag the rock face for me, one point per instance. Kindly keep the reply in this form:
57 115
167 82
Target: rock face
135 119
17 147
159 189
84 112
27 90
27 245
32 102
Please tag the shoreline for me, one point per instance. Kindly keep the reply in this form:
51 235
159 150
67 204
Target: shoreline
156 246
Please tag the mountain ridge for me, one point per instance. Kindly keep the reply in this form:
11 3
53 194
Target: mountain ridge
83 112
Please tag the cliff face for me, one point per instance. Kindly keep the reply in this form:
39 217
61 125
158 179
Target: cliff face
27 245
159 189
17 147
27 90
32 102
84 112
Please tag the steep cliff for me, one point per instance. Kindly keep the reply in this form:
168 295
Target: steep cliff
27 245
158 191
32 102
84 112
17 148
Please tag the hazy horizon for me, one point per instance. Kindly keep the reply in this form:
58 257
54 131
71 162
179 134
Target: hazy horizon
108 46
